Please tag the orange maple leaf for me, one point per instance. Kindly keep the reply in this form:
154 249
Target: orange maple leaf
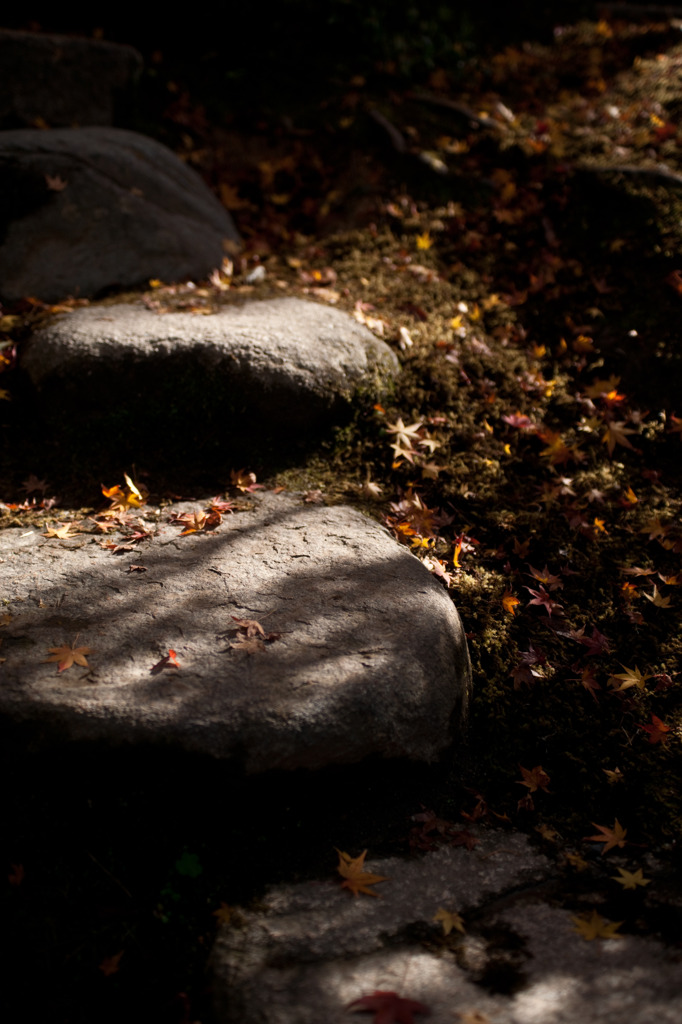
352 870
509 602
535 778
67 656
610 837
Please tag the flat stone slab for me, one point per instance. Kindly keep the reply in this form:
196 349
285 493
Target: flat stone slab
311 949
363 651
281 365
85 210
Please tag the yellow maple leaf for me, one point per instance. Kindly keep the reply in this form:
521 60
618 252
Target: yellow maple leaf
61 531
657 598
424 241
596 927
509 602
449 920
67 656
630 879
352 870
630 677
609 836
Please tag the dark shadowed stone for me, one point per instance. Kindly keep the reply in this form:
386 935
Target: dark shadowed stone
64 81
90 209
311 949
371 657
278 367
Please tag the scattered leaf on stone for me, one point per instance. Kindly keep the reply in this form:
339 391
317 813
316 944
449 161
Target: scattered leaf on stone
630 879
136 568
110 964
352 870
62 531
389 1008
168 661
68 656
595 927
611 837
449 920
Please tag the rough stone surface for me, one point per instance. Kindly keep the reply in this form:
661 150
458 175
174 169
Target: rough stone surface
371 658
283 363
311 949
129 210
62 81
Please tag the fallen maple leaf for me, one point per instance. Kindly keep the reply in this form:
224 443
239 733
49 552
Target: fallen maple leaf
630 677
657 731
243 481
169 660
609 836
67 656
630 879
352 870
595 927
110 964
16 875
657 599
449 920
223 914
616 433
509 602
62 531
536 778
389 1008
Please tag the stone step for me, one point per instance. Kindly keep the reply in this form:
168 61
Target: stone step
281 367
311 950
358 649
88 210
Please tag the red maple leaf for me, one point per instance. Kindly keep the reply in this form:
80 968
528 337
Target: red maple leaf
656 731
389 1008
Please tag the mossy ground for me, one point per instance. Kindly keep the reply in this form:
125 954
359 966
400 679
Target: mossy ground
532 296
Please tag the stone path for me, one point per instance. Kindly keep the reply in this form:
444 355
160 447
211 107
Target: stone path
281 367
512 957
356 648
278 636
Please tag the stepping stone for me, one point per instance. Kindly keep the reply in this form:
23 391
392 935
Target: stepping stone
62 81
92 209
281 367
363 651
311 949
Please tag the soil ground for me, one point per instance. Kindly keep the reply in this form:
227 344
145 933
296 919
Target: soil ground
511 223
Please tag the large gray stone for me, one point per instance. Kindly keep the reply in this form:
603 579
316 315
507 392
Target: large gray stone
63 81
280 365
311 949
90 209
371 658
